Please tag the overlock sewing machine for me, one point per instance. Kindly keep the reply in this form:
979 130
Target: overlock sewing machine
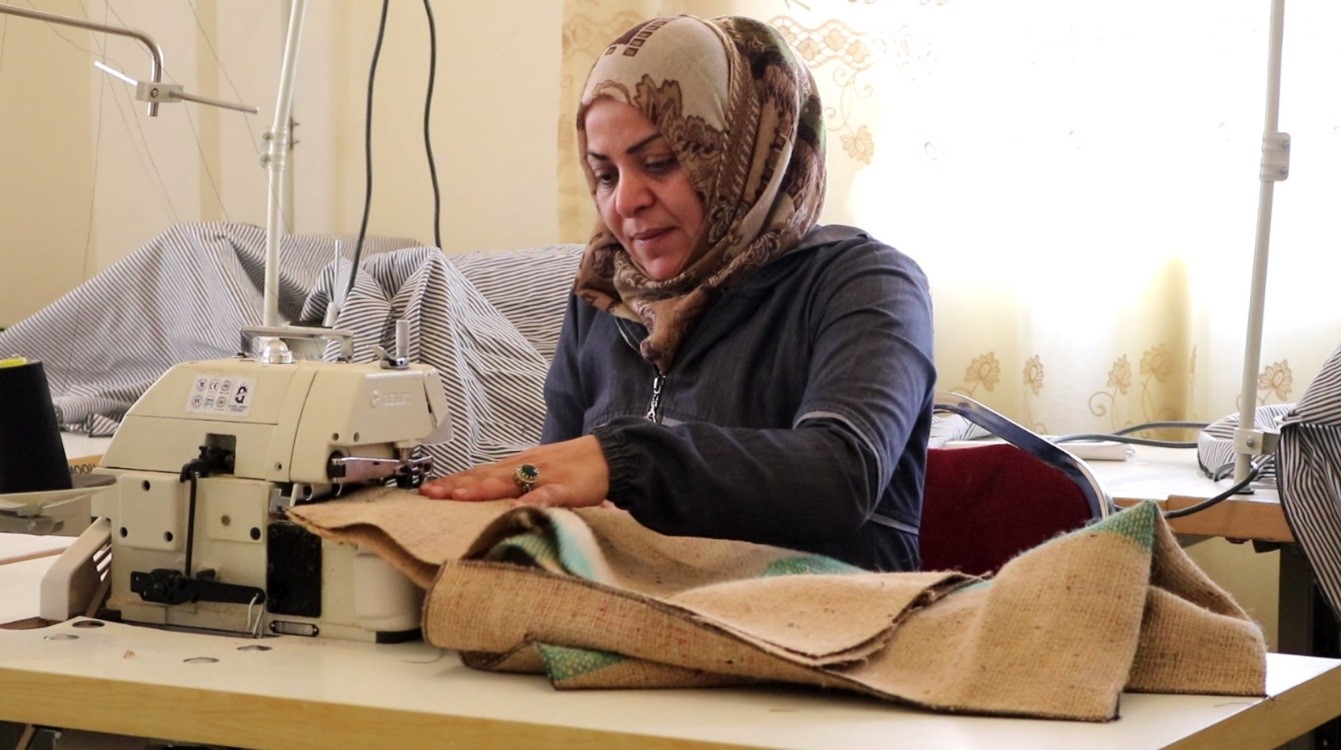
205 464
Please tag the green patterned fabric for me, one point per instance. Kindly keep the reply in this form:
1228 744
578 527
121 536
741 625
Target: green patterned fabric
809 564
1137 524
564 664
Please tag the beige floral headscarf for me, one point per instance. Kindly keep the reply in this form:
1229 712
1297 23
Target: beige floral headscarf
742 116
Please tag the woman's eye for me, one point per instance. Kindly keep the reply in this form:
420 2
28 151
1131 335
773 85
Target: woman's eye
661 166
604 177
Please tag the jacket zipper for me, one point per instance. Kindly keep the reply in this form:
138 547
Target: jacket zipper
655 403
658 382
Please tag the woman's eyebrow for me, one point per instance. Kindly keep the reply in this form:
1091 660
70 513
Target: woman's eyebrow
635 148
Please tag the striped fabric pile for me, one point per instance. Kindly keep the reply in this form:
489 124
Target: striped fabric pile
594 600
487 320
1215 443
493 371
1308 467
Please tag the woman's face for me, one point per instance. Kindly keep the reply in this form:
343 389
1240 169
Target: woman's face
642 193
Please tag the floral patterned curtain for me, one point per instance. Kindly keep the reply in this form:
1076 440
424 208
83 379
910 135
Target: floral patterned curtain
1079 180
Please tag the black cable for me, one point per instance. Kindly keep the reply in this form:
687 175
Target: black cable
210 459
367 150
1124 435
1220 498
428 108
1117 438
191 523
1163 425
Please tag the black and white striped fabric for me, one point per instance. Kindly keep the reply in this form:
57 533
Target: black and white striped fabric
488 321
492 351
1215 443
949 428
1309 477
524 285
184 295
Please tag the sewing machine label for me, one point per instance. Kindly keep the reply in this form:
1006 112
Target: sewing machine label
221 394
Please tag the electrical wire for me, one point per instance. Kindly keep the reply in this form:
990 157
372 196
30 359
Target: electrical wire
428 108
1124 435
191 524
1118 438
1177 424
367 151
1223 496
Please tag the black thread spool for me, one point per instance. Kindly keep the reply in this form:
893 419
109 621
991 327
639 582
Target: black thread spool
32 458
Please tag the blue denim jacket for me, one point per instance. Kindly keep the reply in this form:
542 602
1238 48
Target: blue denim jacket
796 412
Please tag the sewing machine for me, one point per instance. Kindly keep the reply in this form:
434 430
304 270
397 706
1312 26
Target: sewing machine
206 462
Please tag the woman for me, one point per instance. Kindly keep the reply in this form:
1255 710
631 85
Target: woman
725 368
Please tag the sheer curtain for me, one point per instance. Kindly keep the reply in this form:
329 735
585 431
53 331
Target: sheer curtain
1079 181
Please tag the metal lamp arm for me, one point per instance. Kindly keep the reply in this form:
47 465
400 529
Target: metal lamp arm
155 53
152 91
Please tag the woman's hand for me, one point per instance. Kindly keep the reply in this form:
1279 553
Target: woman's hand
573 474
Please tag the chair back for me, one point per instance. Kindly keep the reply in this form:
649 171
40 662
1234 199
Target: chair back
984 504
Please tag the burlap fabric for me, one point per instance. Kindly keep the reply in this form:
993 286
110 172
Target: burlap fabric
592 599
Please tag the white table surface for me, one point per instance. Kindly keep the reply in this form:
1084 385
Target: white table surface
1171 478
398 692
307 693
19 581
1156 473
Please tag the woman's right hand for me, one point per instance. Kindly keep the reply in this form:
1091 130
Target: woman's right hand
572 474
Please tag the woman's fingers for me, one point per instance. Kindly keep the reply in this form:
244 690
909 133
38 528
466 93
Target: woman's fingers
487 488
550 495
438 489
571 474
475 484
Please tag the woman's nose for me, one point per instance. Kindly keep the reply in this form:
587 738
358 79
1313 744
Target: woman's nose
632 193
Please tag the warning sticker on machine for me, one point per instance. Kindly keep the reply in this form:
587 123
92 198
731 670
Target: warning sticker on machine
221 394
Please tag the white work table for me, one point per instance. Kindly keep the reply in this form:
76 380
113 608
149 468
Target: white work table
323 693
1170 477
19 577
301 692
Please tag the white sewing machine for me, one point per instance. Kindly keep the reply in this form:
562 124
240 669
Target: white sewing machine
206 462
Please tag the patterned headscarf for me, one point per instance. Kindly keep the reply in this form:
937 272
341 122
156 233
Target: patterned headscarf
742 116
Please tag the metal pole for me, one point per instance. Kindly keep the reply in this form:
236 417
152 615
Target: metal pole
277 155
1252 350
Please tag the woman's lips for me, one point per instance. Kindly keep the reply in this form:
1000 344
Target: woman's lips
650 237
650 234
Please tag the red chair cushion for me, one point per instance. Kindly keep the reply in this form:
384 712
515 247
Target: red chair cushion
985 504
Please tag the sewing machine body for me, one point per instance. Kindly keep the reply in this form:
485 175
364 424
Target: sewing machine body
251 439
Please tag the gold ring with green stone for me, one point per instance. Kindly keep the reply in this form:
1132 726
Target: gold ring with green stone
526 476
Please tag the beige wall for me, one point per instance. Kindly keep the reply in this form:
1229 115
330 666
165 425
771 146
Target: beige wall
45 166
88 177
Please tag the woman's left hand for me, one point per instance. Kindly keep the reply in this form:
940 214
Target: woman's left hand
573 474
